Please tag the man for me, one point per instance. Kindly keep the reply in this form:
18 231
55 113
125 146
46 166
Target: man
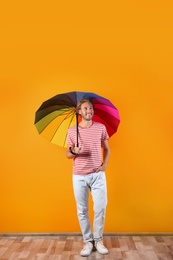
89 167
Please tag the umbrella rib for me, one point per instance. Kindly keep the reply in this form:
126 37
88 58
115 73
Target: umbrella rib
107 121
108 103
68 127
67 103
68 115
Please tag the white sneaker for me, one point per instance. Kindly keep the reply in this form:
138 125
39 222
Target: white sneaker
101 248
87 249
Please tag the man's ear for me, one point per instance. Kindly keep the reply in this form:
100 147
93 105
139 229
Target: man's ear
79 112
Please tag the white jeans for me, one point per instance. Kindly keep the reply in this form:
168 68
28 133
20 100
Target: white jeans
96 183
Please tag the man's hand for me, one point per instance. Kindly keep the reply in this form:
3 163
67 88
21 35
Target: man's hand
77 150
102 168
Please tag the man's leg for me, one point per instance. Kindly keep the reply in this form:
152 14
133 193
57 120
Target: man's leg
80 188
99 194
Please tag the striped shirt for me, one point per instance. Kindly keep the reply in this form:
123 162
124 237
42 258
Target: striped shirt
90 140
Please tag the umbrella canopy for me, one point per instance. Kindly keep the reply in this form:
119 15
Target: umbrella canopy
58 113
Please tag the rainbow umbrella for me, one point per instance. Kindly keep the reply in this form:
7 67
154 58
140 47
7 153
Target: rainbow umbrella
57 114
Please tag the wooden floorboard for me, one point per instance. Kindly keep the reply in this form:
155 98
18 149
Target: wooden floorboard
68 248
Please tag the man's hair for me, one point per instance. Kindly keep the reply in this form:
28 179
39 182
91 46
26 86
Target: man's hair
78 107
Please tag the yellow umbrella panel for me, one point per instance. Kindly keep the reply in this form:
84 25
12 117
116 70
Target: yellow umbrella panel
54 126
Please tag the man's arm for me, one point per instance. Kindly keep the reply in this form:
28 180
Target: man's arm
106 155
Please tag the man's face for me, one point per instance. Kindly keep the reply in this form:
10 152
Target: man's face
86 111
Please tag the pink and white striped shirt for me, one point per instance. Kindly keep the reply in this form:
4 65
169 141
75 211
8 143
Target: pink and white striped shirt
90 140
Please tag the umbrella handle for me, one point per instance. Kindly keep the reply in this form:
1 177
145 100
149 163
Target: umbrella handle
77 123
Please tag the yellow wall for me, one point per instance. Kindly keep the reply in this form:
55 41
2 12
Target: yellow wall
119 49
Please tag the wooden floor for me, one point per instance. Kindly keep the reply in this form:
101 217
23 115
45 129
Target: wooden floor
68 247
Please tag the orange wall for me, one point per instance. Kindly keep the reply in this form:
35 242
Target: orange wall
122 51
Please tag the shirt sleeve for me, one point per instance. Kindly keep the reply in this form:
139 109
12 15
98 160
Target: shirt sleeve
105 135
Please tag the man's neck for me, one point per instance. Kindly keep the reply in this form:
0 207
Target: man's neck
85 124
